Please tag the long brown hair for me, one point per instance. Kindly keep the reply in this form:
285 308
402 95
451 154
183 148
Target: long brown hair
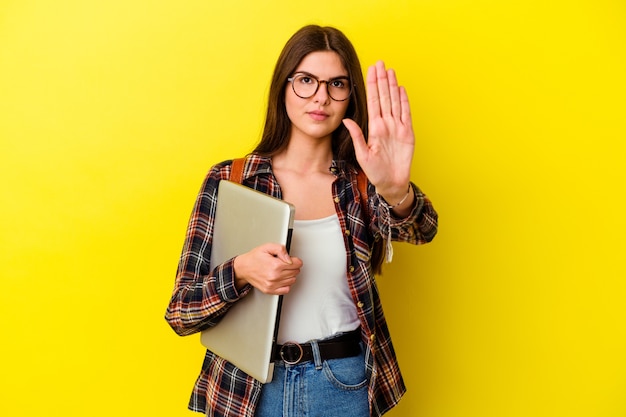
309 39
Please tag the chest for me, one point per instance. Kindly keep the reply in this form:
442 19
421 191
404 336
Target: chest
311 195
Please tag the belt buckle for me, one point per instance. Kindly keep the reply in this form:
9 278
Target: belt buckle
282 353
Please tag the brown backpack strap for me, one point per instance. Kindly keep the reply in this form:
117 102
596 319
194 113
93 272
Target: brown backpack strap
378 247
236 170
361 181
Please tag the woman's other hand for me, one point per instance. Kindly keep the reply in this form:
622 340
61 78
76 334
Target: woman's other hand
268 267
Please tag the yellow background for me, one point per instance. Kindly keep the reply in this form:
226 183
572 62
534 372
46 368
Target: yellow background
111 112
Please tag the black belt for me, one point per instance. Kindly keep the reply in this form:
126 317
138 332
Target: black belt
343 346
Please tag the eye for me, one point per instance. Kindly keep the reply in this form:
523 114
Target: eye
305 79
339 83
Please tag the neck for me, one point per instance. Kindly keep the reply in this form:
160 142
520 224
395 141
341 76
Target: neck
305 158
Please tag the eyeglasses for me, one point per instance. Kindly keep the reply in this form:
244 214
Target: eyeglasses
306 85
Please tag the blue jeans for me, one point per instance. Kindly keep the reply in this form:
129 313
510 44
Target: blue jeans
330 388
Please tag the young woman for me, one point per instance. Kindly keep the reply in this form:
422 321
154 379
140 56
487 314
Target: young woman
335 356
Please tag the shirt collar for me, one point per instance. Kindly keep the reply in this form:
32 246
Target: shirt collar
259 164
340 168
256 165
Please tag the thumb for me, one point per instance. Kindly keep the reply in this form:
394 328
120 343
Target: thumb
282 254
360 146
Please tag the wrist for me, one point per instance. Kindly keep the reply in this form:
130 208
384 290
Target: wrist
238 280
394 200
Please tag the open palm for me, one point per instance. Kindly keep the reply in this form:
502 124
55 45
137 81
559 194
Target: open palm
386 155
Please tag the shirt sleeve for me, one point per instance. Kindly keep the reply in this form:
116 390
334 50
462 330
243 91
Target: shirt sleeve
419 227
202 293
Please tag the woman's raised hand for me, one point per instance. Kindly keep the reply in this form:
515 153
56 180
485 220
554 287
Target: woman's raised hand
387 154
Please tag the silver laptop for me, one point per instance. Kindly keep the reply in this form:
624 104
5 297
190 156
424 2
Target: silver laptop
244 219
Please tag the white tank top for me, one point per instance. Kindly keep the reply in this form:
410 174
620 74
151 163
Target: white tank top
319 304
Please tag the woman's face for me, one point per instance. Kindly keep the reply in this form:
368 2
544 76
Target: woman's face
318 116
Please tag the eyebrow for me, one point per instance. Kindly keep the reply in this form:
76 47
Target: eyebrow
316 77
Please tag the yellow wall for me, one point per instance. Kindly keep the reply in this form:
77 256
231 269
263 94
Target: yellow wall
112 111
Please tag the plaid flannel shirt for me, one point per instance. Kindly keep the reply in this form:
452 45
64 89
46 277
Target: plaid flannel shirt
202 294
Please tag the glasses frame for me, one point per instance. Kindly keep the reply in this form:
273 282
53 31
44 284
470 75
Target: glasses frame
319 82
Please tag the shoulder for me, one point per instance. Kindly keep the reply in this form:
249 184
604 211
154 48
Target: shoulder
221 168
217 172
250 165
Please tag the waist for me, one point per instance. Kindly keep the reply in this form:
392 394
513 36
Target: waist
342 346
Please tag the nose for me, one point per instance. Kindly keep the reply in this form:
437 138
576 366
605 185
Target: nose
322 94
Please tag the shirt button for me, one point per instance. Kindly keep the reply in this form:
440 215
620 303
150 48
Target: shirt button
336 199
359 304
347 233
351 269
372 337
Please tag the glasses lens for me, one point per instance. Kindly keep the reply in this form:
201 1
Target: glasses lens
304 85
339 89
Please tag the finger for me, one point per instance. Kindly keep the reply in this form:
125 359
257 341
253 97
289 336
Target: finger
382 83
394 92
283 284
282 290
373 101
296 263
279 251
280 276
277 288
290 269
358 140
284 280
284 256
406 108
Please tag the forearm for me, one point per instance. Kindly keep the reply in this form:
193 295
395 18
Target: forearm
200 302
414 221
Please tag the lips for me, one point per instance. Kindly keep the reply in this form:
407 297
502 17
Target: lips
318 115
